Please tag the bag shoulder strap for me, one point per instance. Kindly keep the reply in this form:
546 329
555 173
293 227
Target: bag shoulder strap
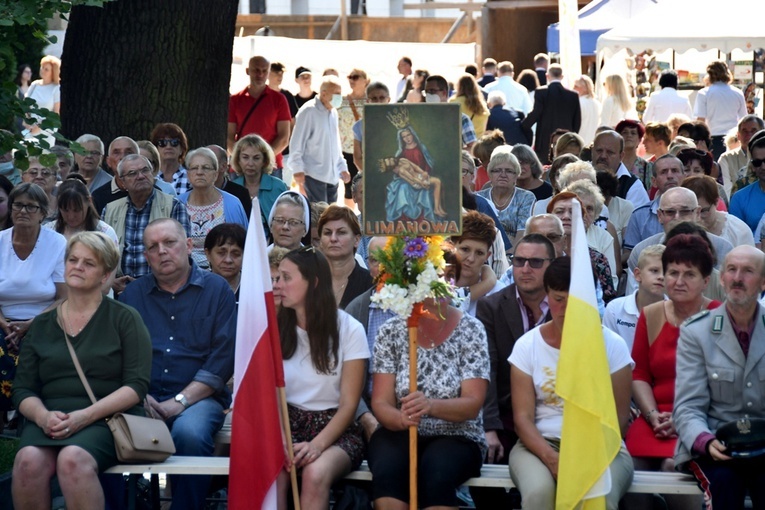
247 117
76 361
655 318
356 115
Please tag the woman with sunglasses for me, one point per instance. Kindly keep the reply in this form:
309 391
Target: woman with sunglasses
150 152
538 410
325 352
351 111
206 205
172 144
32 276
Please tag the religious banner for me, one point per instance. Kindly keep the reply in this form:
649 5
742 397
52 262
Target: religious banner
412 170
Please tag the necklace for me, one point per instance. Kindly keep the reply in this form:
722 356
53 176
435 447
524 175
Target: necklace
68 320
504 204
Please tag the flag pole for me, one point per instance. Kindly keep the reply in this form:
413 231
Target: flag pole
290 452
412 323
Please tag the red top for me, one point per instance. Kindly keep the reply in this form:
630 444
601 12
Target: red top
481 178
272 109
655 364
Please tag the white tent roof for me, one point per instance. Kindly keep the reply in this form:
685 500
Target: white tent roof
595 19
682 25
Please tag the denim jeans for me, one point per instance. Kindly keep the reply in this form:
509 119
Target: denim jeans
193 431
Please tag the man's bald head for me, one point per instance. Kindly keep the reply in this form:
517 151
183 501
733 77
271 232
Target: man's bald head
677 205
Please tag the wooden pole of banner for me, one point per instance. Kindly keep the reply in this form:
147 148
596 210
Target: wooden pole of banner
412 323
290 451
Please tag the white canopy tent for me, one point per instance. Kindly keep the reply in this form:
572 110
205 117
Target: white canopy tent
681 25
595 19
697 32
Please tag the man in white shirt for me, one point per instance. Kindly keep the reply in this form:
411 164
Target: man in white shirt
405 68
316 158
607 153
516 95
667 101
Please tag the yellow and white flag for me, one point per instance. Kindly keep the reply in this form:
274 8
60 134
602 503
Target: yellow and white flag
590 439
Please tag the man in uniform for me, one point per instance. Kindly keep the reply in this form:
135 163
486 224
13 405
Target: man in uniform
720 362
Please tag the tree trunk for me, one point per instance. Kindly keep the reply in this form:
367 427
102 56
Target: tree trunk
134 63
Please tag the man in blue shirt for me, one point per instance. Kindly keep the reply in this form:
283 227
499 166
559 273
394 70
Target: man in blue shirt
191 316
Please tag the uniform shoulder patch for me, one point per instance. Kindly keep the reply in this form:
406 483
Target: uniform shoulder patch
694 318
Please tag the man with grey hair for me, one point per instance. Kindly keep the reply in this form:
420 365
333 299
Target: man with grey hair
733 163
507 119
516 95
114 189
645 222
191 317
676 205
720 356
316 157
129 215
226 184
89 163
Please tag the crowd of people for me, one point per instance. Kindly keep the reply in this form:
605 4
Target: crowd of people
134 249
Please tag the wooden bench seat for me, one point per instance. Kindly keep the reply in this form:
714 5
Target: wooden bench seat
492 475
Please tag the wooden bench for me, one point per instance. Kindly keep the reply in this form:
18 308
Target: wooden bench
492 475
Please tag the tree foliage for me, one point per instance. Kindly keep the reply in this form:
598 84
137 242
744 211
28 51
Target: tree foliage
19 18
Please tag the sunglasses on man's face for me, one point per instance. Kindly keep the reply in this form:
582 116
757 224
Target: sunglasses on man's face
164 142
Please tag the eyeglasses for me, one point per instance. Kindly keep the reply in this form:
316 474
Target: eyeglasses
354 77
677 212
756 163
289 222
306 249
35 173
497 171
30 208
205 168
553 238
145 171
164 142
705 210
535 263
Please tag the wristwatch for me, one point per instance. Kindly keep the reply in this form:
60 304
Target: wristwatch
181 399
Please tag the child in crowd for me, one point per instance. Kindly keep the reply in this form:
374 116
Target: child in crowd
622 313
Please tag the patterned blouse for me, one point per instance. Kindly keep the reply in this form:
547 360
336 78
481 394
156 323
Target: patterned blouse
346 120
440 371
514 216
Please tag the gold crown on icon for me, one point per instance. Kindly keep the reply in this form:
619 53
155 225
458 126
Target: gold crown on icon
399 117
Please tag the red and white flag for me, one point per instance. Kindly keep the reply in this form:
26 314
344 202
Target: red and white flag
257 451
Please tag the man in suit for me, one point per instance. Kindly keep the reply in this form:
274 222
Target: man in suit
541 63
489 69
507 315
554 107
720 362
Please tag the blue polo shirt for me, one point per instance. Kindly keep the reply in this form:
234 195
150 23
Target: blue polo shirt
193 332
